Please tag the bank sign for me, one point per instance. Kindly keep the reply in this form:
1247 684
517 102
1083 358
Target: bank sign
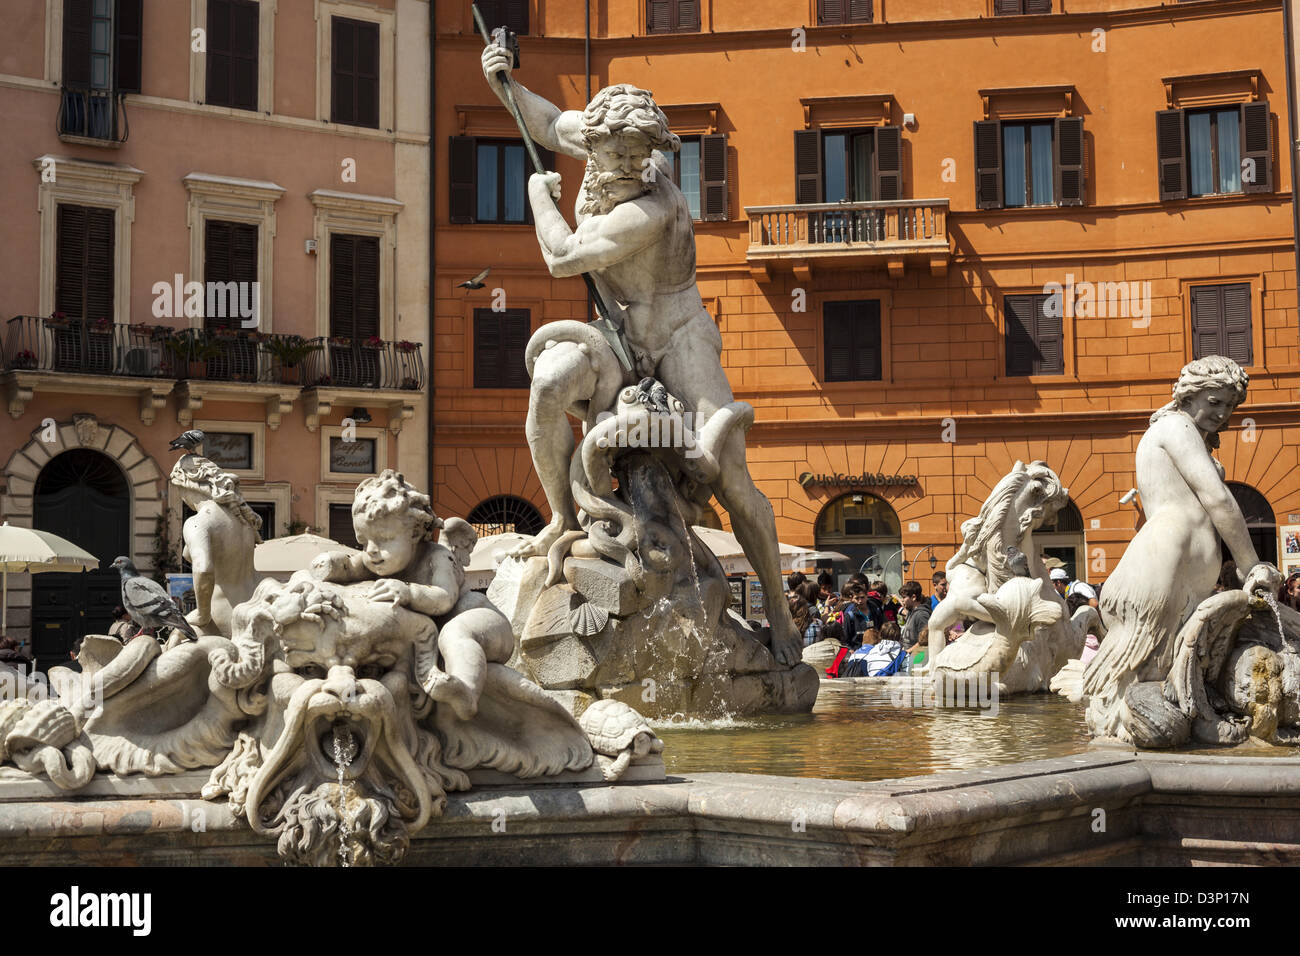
866 480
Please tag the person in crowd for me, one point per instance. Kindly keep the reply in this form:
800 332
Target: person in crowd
918 613
885 650
1085 589
11 654
825 591
793 581
1060 581
803 609
855 664
834 631
1289 593
1091 643
856 616
953 631
938 588
122 627
889 606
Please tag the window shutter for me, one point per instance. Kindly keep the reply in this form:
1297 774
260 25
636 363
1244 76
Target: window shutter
1049 338
866 334
341 529
1038 6
343 94
988 164
220 46
516 17
1236 323
659 15
487 348
70 264
463 168
1207 321
217 264
128 23
1257 144
688 14
1068 143
1007 8
366 82
1021 324
1171 154
838 336
888 160
515 334
76 43
99 263
366 324
491 11
713 177
342 294
831 11
807 165
860 11
243 56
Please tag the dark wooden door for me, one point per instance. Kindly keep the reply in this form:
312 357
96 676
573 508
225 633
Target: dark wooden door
82 496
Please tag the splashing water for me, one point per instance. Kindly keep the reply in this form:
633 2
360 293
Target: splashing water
345 750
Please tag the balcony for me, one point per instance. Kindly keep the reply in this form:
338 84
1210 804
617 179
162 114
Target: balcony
369 372
848 235
93 117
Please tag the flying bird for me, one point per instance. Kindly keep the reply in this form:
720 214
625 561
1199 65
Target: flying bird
149 605
476 282
189 441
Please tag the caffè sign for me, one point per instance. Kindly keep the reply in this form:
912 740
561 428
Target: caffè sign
865 480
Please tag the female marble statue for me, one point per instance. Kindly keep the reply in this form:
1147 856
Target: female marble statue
1174 560
218 541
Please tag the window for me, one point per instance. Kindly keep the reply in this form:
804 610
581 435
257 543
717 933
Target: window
505 514
355 72
340 525
843 11
1214 151
1012 8
672 16
499 342
354 310
266 511
1221 321
1035 339
1029 164
850 165
511 14
232 55
852 340
489 179
700 172
230 270
101 44
84 266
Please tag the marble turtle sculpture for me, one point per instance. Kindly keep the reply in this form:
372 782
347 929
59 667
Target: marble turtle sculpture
617 734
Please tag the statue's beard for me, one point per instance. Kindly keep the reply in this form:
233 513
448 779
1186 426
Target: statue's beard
599 198
313 835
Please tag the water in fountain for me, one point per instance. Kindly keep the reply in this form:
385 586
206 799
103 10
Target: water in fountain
1271 600
345 750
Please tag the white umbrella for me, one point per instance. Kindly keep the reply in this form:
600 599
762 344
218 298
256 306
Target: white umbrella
293 553
731 555
32 551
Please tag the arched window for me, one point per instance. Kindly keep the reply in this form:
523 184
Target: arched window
1060 539
1067 521
505 514
1260 521
865 528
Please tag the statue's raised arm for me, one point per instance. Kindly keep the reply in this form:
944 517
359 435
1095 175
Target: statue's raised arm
560 131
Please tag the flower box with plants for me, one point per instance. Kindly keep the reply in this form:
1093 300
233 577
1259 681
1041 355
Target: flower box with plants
405 346
290 351
340 342
323 381
59 320
102 326
410 384
24 359
373 342
192 349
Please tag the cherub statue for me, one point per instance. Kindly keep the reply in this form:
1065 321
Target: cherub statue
395 526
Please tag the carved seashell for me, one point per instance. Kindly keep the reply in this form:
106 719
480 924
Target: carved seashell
47 722
588 620
11 711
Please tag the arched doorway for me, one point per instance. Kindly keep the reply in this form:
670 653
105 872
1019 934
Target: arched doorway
505 514
81 495
865 528
1260 522
1062 538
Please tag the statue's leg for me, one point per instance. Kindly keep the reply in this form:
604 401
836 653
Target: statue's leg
563 376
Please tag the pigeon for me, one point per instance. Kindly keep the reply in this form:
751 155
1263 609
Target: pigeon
189 441
148 604
476 282
652 394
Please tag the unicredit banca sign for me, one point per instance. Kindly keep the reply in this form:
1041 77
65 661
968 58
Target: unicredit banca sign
867 480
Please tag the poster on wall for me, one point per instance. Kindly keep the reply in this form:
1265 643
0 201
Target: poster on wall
756 601
737 585
180 587
1289 539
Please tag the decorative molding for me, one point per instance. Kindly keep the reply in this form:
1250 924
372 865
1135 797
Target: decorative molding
692 119
84 183
356 214
380 439
21 386
319 403
257 430
1029 102
1223 88
491 120
277 400
843 112
325 9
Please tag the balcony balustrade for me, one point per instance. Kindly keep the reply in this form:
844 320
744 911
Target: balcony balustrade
95 115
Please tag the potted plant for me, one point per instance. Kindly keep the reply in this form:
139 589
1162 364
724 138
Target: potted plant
290 351
24 359
102 325
59 320
340 342
405 346
373 342
192 348
410 384
323 381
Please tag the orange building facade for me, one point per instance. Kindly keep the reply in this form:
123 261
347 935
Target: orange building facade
887 195
152 144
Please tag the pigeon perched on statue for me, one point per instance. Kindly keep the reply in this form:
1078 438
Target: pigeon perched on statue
189 441
651 393
149 605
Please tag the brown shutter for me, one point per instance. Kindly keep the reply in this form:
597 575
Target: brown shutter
988 164
220 45
217 264
343 95
462 165
1171 154
342 287
1069 160
1007 8
1236 323
76 43
1019 313
367 76
340 525
807 165
245 28
837 333
128 23
887 158
366 324
491 12
1049 338
487 348
688 15
70 262
713 177
860 11
515 334
99 263
1038 6
1207 321
516 16
1257 144
830 11
866 340
659 16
